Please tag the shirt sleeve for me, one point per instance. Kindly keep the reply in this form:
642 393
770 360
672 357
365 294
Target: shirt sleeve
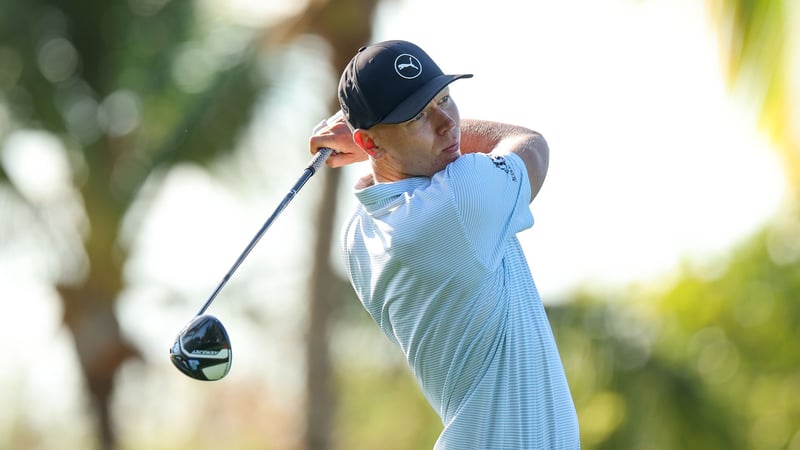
492 196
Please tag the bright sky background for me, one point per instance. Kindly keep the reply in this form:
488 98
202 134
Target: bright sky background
652 162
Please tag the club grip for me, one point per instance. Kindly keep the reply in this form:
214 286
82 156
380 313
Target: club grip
319 159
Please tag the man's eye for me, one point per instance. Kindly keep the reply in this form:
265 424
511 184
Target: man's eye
419 116
444 99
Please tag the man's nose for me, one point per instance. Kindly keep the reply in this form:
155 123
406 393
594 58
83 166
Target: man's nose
444 119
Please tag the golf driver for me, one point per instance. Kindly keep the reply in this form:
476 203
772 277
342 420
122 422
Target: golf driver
202 349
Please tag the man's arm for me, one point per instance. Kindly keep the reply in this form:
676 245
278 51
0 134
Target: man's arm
481 136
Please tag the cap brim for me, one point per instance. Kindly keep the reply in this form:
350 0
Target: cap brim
415 103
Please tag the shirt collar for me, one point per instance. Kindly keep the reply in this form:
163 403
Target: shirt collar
383 195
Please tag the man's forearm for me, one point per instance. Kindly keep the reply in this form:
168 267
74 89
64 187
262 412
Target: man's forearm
481 136
478 136
484 136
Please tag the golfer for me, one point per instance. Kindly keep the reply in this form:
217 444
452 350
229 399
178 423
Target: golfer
433 254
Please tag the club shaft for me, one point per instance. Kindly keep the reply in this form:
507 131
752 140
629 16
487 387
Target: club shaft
316 162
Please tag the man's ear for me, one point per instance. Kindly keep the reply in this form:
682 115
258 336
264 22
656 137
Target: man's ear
365 141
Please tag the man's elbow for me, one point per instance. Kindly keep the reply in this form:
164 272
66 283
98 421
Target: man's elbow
537 160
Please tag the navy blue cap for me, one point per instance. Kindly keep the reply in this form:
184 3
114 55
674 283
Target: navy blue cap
389 82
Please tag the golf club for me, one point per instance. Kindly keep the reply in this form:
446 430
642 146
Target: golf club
202 349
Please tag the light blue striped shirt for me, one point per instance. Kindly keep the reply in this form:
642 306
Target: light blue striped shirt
437 264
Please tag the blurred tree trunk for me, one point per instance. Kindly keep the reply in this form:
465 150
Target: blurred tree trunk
88 307
323 298
346 25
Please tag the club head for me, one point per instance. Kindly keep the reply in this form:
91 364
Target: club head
202 349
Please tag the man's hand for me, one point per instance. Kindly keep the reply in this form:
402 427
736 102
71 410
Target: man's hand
335 133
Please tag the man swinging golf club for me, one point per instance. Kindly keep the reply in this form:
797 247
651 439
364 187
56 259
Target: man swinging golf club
432 251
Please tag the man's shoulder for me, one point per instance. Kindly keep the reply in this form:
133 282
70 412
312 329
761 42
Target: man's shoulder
486 161
483 172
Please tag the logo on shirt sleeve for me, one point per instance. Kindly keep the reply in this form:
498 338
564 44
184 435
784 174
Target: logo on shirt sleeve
500 163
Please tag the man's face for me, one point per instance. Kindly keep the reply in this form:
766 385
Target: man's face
423 145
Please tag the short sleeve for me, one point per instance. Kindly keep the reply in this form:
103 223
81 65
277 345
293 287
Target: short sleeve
492 196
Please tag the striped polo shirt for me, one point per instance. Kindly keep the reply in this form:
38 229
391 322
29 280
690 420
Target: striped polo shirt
437 264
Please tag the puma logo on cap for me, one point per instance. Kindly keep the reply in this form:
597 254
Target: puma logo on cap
410 69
